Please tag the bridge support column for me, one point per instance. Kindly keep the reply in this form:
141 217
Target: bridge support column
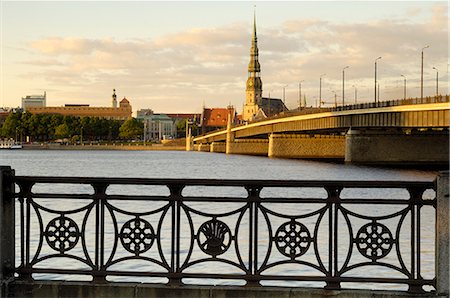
218 147
396 148
189 144
230 137
306 146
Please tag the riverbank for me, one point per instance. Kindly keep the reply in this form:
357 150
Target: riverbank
103 147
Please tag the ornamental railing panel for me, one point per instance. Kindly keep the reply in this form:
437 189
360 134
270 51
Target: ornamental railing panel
330 234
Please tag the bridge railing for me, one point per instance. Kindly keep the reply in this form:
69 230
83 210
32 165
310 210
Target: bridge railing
391 103
359 106
173 231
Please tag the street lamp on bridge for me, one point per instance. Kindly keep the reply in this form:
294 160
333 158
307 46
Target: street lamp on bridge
300 94
284 94
437 81
421 73
356 94
375 98
320 89
343 85
404 86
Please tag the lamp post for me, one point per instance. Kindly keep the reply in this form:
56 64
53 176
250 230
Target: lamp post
404 87
343 85
437 81
284 93
421 73
375 98
320 89
300 94
335 98
356 94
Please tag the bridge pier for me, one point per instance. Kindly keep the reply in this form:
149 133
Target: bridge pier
248 147
392 148
306 146
218 147
204 147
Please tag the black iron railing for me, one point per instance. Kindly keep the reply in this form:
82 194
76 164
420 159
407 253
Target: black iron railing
190 234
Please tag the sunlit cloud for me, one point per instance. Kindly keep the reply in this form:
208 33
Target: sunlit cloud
209 64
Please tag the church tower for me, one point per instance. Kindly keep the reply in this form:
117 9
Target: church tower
114 99
254 84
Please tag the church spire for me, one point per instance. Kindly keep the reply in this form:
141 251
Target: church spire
254 66
254 84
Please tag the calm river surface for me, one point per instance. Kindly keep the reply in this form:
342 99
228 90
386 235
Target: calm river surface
179 164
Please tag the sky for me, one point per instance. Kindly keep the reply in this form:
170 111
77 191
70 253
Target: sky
175 57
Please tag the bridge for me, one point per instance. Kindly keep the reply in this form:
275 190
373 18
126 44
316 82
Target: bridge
400 131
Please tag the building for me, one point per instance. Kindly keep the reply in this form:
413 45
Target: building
123 112
256 106
34 101
157 127
216 118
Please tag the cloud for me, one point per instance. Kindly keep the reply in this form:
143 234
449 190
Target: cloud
211 63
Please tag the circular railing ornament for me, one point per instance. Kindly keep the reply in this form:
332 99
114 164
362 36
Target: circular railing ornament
292 239
214 237
62 234
374 240
137 236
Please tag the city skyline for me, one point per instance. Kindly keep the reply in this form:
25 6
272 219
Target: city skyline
175 56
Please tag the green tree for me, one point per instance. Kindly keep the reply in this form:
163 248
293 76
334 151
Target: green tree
11 125
131 129
62 131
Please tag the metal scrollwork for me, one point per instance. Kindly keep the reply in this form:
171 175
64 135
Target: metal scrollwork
62 234
292 239
374 240
214 237
137 236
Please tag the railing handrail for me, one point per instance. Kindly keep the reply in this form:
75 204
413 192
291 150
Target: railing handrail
227 182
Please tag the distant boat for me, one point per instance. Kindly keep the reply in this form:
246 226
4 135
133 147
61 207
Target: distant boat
16 146
10 144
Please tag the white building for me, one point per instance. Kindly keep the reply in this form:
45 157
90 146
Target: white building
34 101
157 127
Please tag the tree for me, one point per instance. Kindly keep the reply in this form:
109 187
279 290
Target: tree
131 129
62 131
11 125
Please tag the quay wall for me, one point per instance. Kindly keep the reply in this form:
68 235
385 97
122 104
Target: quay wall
103 147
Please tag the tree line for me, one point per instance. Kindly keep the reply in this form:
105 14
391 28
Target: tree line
48 127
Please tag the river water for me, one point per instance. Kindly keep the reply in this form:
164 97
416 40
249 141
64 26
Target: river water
180 164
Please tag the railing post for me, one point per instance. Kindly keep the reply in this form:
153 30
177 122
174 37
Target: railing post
176 198
442 262
7 225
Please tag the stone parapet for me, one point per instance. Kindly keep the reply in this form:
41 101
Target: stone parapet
306 146
83 289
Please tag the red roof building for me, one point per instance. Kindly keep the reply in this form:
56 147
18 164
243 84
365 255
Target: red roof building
216 118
